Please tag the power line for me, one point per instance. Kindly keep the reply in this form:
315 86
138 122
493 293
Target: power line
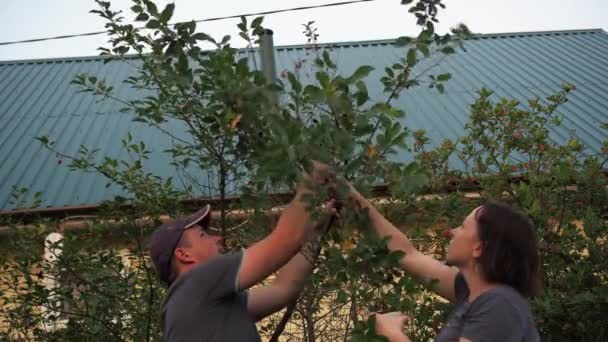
197 21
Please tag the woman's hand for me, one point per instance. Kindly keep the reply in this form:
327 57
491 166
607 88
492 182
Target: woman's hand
319 175
391 325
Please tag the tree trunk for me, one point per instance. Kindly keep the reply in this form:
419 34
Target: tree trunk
310 325
223 202
352 317
283 322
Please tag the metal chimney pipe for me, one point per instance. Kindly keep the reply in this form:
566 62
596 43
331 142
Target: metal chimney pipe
268 62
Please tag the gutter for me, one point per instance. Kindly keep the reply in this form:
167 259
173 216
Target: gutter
77 218
85 214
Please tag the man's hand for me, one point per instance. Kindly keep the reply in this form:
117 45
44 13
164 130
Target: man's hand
311 249
268 255
392 325
290 281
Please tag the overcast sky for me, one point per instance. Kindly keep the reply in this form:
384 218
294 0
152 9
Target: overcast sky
380 19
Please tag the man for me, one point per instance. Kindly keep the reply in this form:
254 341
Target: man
207 299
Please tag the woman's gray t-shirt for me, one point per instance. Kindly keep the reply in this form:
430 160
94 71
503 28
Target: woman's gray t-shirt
499 314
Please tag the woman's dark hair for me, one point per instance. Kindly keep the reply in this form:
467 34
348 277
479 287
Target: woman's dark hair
510 254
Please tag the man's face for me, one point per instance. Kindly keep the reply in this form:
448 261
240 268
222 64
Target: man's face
465 245
200 245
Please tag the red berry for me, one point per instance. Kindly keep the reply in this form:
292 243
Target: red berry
579 203
603 149
446 233
513 168
541 147
517 135
284 74
185 106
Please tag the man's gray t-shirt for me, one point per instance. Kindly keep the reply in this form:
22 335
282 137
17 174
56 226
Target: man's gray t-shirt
499 314
204 304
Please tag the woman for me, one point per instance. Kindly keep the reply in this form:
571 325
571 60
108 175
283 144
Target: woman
492 269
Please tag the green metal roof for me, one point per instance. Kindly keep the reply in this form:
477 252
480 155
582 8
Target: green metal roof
36 99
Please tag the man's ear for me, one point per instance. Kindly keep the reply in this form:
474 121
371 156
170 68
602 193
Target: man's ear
182 256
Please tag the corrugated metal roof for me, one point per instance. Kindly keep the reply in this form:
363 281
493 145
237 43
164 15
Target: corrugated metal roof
36 99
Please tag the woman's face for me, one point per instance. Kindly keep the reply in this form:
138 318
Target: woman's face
465 245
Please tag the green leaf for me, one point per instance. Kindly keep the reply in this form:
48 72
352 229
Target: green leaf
362 95
342 296
257 22
225 40
121 50
153 24
424 48
167 13
412 58
361 72
43 139
448 50
202 36
151 7
424 36
319 62
444 77
244 36
243 24
358 338
440 87
328 60
295 84
142 17
323 79
172 49
371 322
403 41
389 72
190 26
258 31
137 9
182 63
314 93
406 2
361 86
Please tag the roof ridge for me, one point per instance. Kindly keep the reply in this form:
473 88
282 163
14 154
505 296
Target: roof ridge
64 59
474 37
303 46
537 33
